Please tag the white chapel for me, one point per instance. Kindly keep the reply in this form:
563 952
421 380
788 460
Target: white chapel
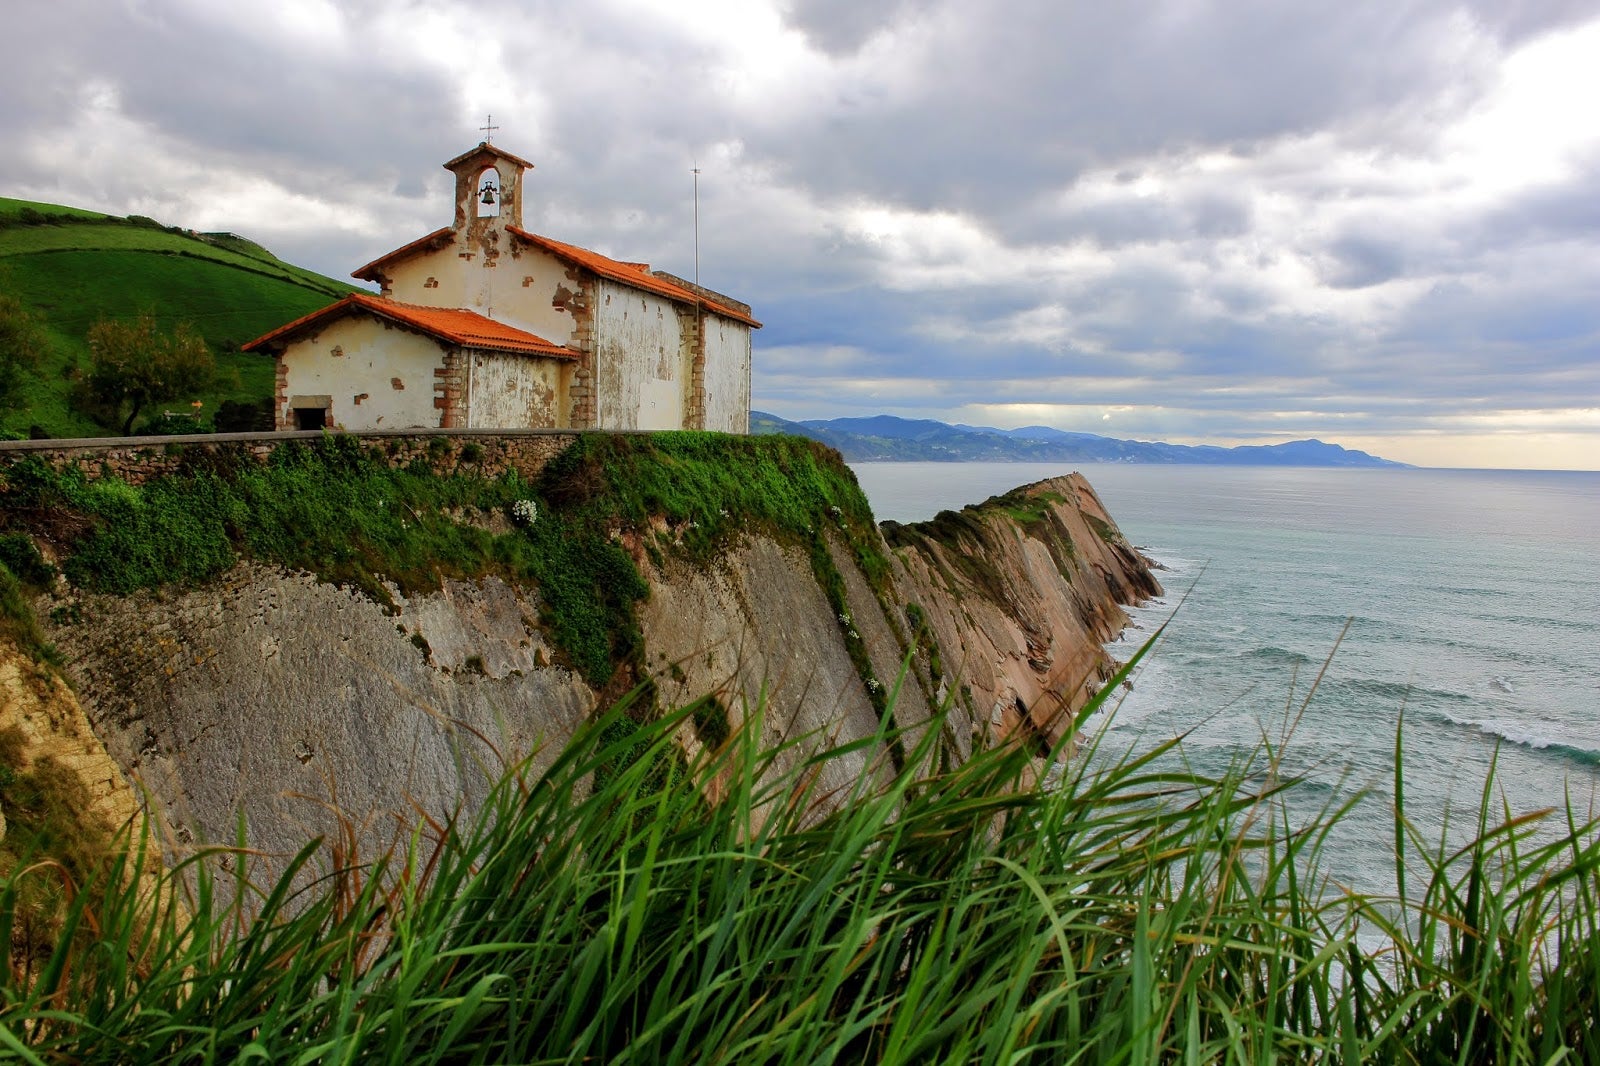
484 325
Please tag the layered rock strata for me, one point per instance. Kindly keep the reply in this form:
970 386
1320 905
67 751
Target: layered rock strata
313 710
1021 594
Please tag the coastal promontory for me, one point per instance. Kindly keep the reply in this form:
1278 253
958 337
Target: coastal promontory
331 636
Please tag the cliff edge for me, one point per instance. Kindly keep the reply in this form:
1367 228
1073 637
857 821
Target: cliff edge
347 703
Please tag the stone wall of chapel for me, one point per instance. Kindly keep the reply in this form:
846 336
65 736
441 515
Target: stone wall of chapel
138 460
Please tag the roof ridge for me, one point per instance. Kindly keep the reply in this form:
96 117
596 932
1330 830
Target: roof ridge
629 274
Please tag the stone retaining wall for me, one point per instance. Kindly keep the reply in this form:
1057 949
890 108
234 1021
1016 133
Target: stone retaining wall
137 460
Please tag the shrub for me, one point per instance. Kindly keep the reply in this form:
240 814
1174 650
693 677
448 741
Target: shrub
135 364
22 346
234 416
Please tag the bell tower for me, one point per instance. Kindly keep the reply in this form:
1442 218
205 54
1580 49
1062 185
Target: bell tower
488 187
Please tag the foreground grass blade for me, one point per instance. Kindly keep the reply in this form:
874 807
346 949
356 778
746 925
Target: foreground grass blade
610 909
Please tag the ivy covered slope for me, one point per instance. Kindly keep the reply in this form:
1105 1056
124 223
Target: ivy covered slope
70 268
350 514
347 633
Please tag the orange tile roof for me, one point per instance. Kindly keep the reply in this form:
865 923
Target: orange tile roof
454 325
635 274
370 271
485 148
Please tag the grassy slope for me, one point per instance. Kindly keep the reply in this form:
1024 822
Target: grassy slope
73 274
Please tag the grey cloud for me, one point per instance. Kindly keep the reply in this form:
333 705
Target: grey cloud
841 27
1361 262
1042 90
989 111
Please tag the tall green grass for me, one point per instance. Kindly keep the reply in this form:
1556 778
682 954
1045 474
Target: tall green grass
607 910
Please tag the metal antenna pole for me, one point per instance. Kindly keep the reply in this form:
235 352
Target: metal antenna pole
699 320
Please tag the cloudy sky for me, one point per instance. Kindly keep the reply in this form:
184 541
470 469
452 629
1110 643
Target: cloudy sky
1376 223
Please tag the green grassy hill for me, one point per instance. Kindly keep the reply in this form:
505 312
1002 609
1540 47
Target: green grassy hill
73 267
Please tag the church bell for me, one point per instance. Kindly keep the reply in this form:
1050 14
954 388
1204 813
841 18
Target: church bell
488 193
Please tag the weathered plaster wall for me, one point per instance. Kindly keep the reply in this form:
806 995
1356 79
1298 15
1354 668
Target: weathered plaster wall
641 360
435 279
727 374
516 391
526 287
376 375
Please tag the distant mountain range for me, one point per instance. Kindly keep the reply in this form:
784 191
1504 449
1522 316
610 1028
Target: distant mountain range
885 437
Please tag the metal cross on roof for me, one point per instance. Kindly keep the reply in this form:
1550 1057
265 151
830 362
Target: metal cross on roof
488 129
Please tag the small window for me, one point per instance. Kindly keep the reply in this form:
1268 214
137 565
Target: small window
310 418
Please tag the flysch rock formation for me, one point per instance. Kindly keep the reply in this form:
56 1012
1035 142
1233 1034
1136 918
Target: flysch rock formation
312 710
1022 606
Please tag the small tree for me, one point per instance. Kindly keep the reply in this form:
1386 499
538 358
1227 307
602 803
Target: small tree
134 364
22 345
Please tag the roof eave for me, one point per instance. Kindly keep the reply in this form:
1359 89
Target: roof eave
626 276
287 333
429 242
484 147
284 333
564 354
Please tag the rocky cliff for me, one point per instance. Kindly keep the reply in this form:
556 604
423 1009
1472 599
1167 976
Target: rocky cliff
316 708
1020 593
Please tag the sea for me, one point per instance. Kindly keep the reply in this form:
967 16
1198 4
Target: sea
1310 611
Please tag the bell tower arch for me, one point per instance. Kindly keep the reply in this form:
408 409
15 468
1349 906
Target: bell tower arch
488 187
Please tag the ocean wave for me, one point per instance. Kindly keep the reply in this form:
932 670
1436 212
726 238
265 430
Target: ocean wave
1395 692
1548 621
1523 736
1276 656
1356 621
1583 756
1468 590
